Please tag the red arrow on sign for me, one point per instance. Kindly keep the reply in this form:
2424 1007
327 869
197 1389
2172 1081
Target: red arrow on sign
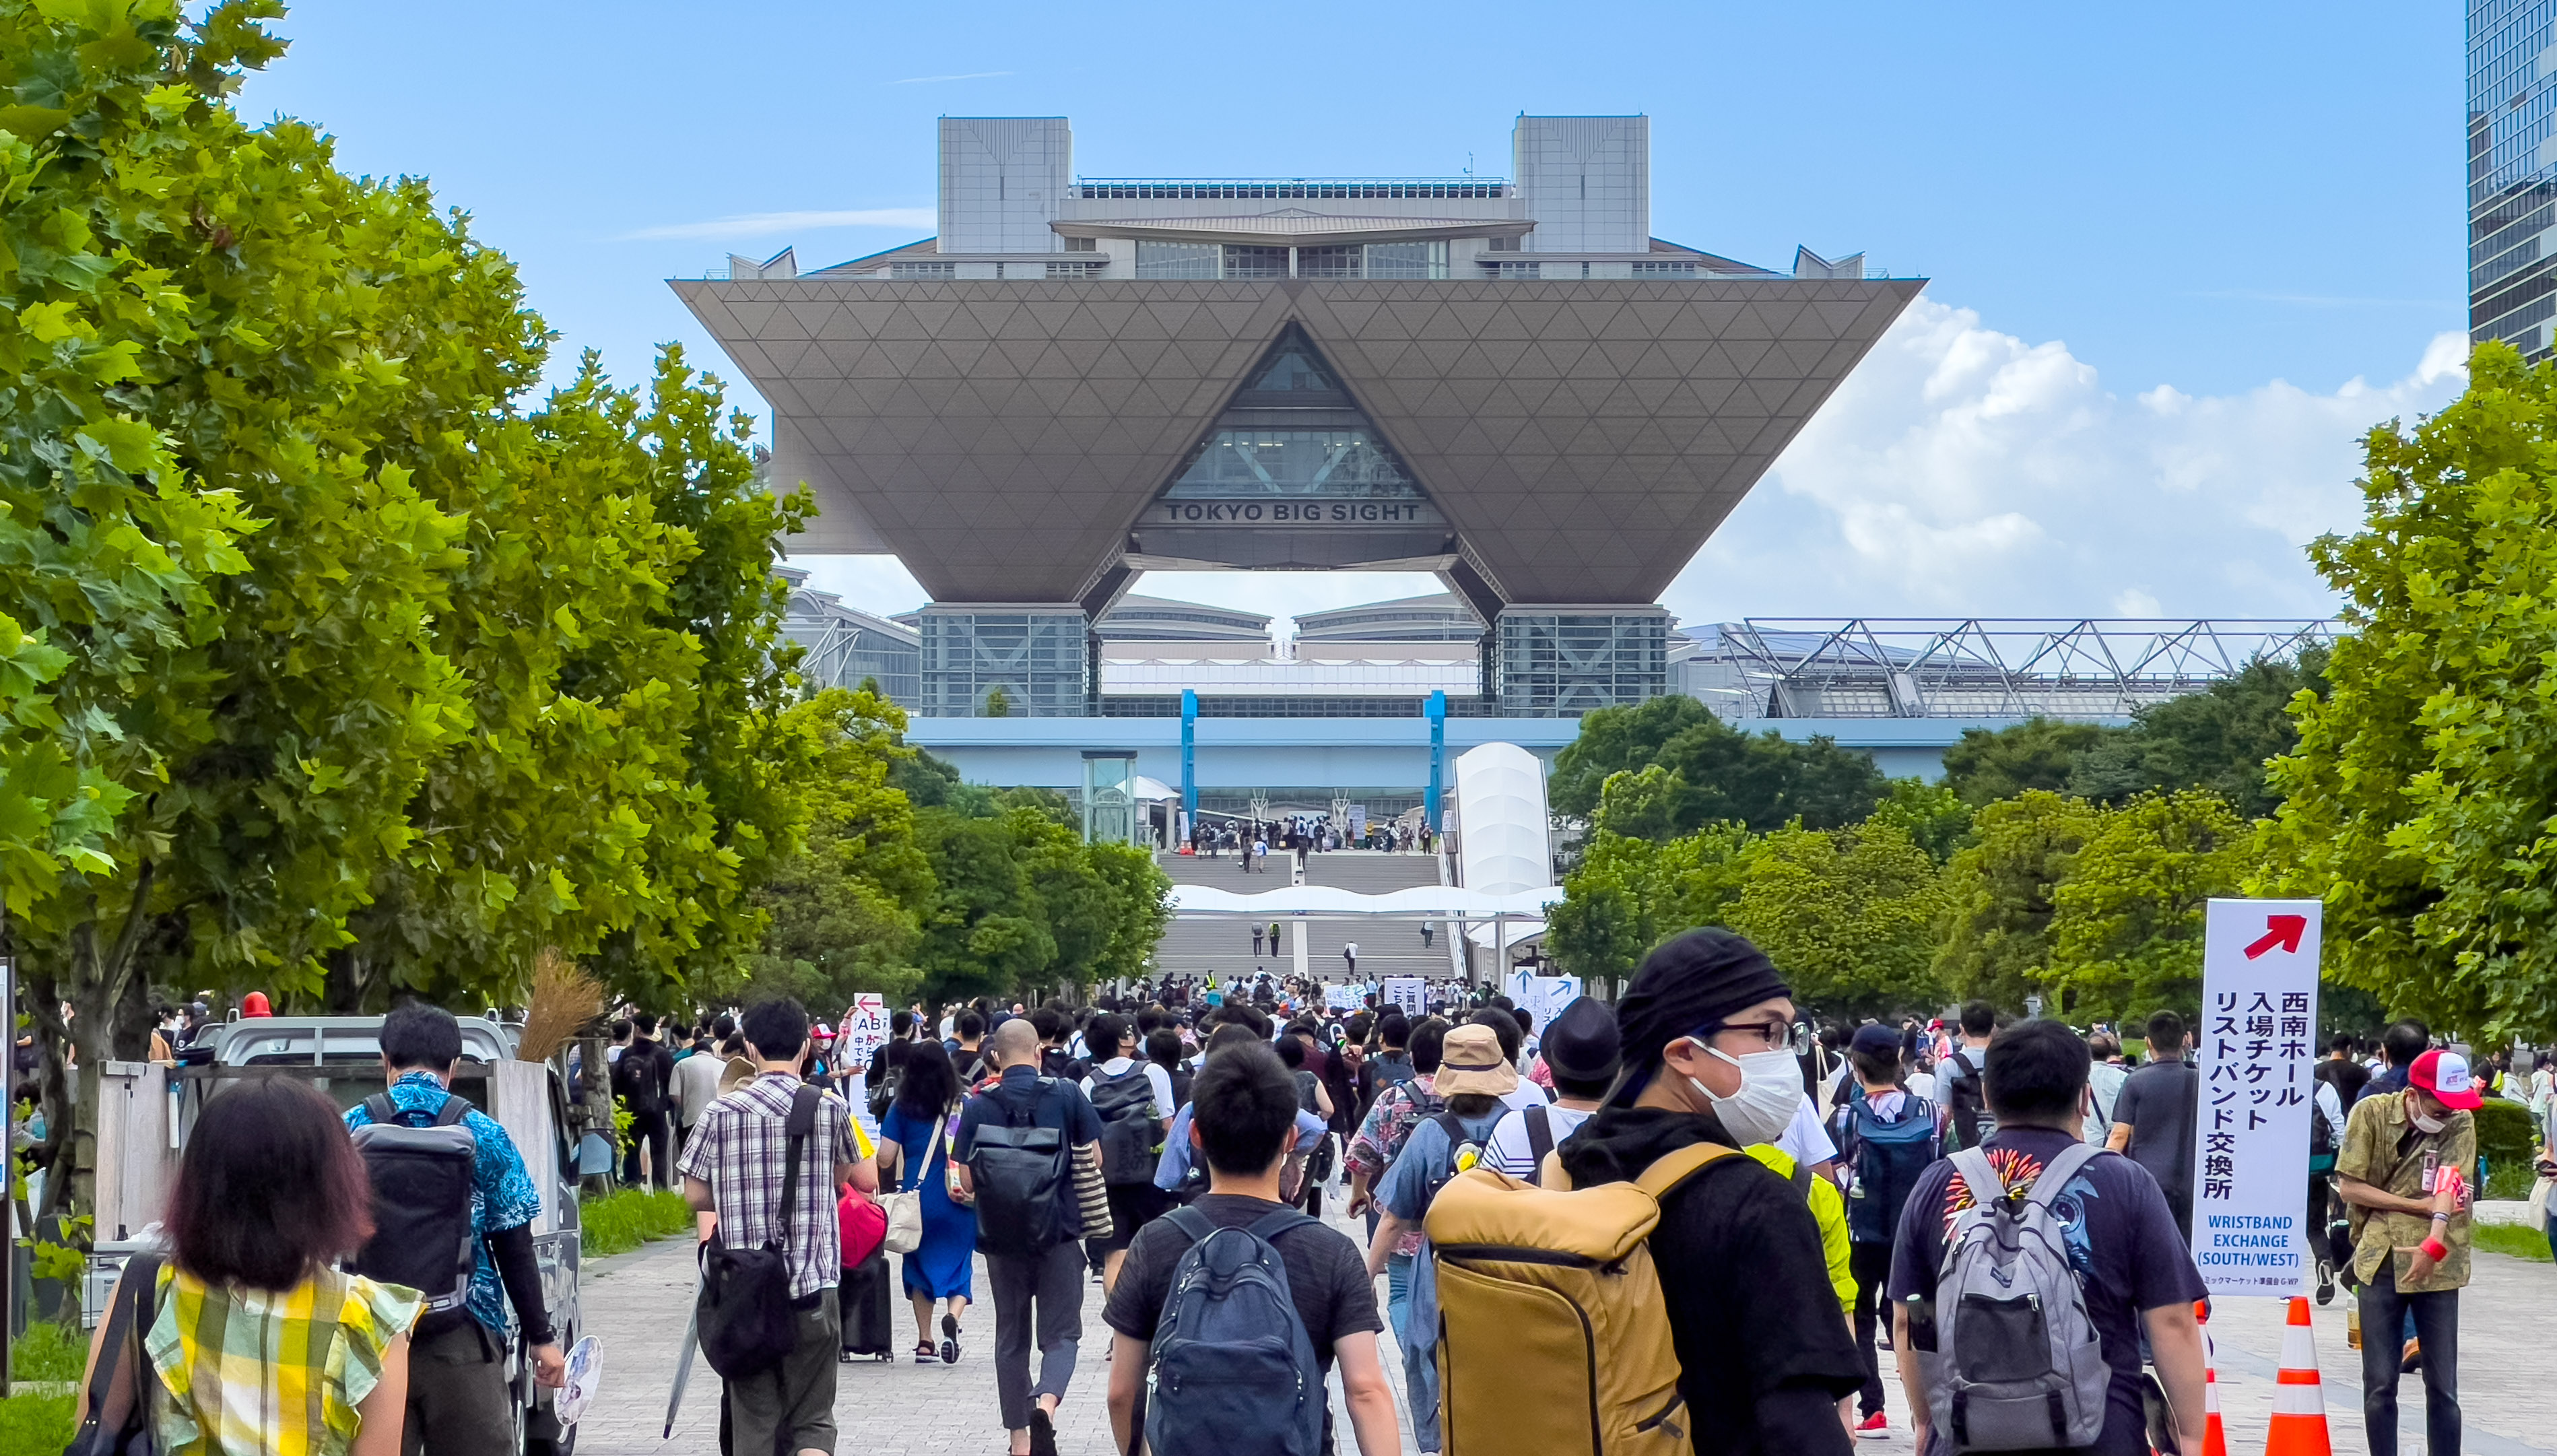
2280 930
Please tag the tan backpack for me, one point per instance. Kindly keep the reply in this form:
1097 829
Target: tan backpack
1553 1338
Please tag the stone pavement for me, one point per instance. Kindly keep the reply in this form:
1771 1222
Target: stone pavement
637 1304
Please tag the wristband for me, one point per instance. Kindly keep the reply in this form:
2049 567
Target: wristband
2441 1218
2436 1249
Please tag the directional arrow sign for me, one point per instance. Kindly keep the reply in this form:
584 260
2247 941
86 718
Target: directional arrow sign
2280 930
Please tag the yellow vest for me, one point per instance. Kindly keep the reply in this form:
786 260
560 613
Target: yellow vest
1828 1209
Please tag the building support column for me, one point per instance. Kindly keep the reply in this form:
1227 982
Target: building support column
1435 709
1189 756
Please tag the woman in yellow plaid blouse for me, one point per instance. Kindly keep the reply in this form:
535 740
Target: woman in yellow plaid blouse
259 1348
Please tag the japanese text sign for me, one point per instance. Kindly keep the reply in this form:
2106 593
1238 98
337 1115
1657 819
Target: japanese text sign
2256 1048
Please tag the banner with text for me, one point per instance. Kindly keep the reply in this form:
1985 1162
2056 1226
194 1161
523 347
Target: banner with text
1344 996
1546 995
2256 1048
864 1033
1406 992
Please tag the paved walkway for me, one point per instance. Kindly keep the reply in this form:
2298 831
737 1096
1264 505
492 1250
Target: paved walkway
637 1304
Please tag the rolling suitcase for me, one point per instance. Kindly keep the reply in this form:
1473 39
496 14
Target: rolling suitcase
869 1326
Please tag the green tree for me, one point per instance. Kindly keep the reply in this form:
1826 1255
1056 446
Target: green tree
1762 780
1847 915
2418 802
1629 894
2127 922
2219 738
987 932
845 913
1993 942
2037 753
1932 815
1141 910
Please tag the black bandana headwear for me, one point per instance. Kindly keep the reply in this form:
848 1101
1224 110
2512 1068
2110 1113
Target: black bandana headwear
1687 984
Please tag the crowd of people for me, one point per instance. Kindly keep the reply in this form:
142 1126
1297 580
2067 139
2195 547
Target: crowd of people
1811 1207
1252 840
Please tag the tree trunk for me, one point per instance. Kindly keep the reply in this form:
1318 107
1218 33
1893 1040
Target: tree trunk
94 977
593 1106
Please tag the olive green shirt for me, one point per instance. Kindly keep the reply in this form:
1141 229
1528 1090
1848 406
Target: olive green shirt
2379 1150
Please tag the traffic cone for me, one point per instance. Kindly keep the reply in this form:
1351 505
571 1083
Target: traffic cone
2299 1400
2214 1436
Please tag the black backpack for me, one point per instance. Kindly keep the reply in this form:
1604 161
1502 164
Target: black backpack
1232 1367
1130 1135
638 1080
743 1309
1968 1123
422 1190
1024 1176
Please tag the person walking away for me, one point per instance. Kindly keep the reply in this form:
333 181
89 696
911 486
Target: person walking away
1966 1122
2399 1046
1580 1054
2155 1119
2407 1170
1887 1137
270 1195
1163 1048
914 1152
1349 953
1705 1034
697 1079
1274 945
1473 1077
2105 1077
1256 941
2132 1270
1135 1104
735 1166
1015 1150
1315 1098
1182 1176
2349 1077
641 1078
458 1400
1247 1110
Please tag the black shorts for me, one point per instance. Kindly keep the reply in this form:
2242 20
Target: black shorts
1132 1207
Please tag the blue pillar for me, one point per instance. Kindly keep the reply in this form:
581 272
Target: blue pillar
1189 753
1435 709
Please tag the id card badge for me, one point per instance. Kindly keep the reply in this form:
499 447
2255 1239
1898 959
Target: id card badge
2432 1170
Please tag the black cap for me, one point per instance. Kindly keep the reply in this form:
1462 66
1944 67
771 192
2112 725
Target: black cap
1581 1045
1875 1041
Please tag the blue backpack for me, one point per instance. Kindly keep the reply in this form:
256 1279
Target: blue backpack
1232 1370
1887 1155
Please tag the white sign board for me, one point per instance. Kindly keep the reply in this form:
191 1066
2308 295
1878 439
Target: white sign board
2256 1048
1406 992
1345 995
865 1030
1546 995
1358 820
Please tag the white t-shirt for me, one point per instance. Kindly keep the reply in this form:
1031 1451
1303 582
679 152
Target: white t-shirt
1510 1149
1155 1077
1805 1142
1526 1094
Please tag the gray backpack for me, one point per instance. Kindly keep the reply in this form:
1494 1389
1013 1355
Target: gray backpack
2017 1362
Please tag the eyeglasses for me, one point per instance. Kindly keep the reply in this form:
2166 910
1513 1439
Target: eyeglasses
1769 1036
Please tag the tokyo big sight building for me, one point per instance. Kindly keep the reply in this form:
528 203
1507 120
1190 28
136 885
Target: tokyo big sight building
1509 383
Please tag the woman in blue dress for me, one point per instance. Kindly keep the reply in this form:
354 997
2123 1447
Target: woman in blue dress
914 1148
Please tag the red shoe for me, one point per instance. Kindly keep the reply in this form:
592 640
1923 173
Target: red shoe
1874 1427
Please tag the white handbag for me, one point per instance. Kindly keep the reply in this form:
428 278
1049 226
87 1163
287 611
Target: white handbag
2538 1216
905 1209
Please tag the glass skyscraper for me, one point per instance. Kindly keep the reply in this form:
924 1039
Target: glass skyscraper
2513 173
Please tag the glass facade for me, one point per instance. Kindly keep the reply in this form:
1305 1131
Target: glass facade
1165 259
1561 664
1040 661
1293 432
2513 173
1175 259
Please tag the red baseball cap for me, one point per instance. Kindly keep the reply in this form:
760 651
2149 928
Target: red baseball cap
2445 1074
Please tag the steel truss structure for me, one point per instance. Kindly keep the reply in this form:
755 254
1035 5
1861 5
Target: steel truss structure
1974 667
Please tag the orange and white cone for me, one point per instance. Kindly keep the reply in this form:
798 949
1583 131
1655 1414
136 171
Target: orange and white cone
2299 1399
2214 1436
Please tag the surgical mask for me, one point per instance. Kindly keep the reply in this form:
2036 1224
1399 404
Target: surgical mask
2423 1123
1771 1092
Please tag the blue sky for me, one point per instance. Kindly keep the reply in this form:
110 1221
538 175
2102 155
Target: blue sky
2254 211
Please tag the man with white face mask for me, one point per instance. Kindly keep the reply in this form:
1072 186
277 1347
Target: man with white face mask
2407 1169
1705 1035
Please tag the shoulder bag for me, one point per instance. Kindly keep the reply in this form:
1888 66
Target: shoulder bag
744 1308
136 1307
904 1207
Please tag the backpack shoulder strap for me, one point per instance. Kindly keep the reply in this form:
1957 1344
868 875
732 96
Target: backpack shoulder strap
1191 1222
1539 1135
2055 1174
1668 1174
1454 1128
1979 1172
1802 1180
454 1108
381 1109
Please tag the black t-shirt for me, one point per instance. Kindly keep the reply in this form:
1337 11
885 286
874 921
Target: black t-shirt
2122 1240
1326 1274
2349 1078
2160 1102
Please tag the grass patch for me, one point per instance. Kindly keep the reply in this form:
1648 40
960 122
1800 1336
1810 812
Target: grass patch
621 1221
48 1352
35 1425
2509 1180
2506 1239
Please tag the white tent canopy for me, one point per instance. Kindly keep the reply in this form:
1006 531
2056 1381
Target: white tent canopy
1323 899
1150 790
1501 826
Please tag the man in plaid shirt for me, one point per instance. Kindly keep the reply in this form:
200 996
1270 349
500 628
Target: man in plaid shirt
734 1166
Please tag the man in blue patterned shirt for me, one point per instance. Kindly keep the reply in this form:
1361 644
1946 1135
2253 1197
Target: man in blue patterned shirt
458 1400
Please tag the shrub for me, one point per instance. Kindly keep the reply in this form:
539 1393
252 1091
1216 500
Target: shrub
621 1221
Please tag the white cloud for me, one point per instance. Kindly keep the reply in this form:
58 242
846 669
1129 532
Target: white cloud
918 80
766 224
1961 470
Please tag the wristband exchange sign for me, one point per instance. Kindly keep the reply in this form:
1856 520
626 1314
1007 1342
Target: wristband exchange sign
2256 1048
